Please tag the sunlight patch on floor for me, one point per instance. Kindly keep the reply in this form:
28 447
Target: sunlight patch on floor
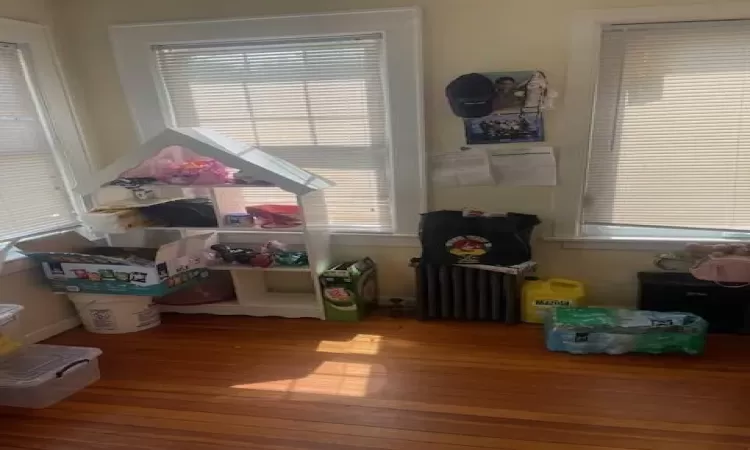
361 344
330 378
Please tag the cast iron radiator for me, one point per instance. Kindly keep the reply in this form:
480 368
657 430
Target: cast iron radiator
454 292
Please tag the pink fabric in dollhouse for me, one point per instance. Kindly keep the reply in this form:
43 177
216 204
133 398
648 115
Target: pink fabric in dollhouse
182 166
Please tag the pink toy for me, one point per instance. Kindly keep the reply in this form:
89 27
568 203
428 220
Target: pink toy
722 263
200 172
182 166
723 269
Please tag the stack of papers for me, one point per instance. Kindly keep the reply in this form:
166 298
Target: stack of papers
535 166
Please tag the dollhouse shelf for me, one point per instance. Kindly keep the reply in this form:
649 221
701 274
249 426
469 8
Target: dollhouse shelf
254 297
271 305
260 269
207 186
246 230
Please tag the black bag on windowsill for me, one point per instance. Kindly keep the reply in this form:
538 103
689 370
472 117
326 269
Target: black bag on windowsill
450 238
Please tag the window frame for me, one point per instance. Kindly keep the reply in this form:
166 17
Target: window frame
59 118
580 97
401 31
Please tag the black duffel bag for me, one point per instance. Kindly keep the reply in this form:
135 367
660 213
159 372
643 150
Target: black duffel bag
450 238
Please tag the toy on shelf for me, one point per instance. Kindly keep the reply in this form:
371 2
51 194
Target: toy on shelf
239 220
192 212
276 216
272 253
266 217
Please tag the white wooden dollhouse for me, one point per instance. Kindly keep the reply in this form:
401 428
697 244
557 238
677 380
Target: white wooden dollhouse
254 298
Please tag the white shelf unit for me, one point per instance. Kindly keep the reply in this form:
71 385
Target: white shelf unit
232 229
260 269
254 298
294 306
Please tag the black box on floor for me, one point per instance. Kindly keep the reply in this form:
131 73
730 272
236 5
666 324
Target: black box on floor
726 309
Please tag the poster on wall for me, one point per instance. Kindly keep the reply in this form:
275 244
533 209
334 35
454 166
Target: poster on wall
500 128
517 110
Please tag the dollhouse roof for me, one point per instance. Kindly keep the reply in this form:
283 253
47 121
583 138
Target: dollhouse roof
250 161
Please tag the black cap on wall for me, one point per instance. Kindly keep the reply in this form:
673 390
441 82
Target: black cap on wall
471 95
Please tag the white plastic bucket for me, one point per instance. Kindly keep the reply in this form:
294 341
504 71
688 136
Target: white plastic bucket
116 314
11 334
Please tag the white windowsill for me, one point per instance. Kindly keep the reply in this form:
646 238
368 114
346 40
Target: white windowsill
375 239
633 243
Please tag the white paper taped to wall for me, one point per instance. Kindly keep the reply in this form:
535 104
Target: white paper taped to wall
535 166
466 168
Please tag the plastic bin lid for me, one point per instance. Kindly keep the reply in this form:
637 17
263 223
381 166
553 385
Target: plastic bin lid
39 364
7 312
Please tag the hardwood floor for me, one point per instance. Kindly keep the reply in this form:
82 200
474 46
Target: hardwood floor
210 383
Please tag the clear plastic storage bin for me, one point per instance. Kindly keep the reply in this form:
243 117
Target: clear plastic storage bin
41 375
11 335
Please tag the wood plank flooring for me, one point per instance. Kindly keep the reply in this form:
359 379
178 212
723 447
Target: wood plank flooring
210 383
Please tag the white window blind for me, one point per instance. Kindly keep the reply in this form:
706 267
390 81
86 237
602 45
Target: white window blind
319 104
670 144
33 196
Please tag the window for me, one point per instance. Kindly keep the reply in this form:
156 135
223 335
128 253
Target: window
36 173
336 94
670 143
659 123
318 104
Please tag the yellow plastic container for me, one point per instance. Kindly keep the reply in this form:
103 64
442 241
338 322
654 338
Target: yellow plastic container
538 296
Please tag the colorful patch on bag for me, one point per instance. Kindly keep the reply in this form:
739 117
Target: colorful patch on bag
107 274
468 248
163 272
56 269
138 277
338 294
122 276
81 274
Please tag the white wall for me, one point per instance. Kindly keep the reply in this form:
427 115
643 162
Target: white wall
460 36
28 10
45 313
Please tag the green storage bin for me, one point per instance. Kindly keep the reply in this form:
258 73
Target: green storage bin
350 290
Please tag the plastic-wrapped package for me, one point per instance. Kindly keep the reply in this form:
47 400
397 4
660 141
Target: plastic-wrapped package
618 331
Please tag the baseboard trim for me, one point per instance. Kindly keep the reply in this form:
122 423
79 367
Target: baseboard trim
386 301
52 330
